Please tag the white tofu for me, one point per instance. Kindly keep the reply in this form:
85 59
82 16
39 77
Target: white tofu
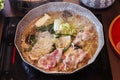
63 42
57 23
42 20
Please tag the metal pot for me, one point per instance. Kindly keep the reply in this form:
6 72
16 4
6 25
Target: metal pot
59 6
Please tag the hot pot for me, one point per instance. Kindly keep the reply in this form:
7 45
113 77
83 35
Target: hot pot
59 6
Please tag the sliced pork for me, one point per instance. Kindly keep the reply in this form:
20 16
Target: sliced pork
73 58
50 60
83 36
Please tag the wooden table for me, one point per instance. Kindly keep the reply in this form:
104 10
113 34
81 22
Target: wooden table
107 16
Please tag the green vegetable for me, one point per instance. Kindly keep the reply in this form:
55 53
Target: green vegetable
46 28
77 46
66 48
53 48
60 35
67 30
28 49
57 35
31 39
1 4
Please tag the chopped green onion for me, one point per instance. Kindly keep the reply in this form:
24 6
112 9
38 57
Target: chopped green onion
46 28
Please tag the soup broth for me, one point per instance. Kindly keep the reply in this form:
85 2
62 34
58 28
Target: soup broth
59 41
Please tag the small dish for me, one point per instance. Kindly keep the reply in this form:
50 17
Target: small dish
114 34
98 4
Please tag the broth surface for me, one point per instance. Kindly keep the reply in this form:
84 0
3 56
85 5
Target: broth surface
59 41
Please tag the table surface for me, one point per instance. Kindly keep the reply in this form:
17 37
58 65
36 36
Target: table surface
107 16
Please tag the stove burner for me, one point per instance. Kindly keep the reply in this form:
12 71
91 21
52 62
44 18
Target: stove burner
37 75
30 71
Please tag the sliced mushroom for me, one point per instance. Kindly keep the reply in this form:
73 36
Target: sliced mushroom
66 14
